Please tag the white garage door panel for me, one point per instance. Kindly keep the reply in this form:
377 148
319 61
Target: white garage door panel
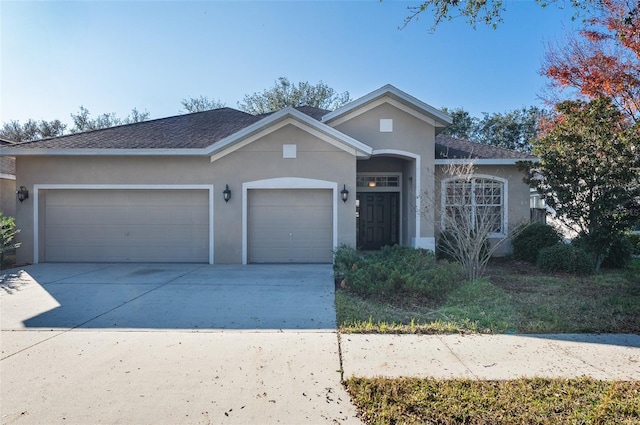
290 226
127 225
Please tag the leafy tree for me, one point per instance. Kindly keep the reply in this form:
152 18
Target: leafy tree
589 171
464 126
82 120
200 104
8 233
515 129
31 130
487 12
285 93
603 60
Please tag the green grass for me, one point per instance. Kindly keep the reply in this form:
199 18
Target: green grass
522 401
514 298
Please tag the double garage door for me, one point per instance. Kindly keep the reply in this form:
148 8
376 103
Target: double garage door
126 225
284 226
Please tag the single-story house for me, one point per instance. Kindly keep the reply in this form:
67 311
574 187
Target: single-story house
7 182
225 186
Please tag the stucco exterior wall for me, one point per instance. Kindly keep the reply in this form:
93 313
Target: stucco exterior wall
262 159
8 197
409 134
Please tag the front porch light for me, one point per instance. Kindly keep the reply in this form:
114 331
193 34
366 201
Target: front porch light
372 183
344 193
226 194
22 193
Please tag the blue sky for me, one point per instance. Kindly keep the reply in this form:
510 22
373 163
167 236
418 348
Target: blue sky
116 55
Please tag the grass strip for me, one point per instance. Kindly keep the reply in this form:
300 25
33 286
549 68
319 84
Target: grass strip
522 401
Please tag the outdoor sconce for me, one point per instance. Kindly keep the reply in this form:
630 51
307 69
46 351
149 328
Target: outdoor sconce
226 194
22 193
344 193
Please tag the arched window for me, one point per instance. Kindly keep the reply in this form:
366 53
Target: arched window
476 201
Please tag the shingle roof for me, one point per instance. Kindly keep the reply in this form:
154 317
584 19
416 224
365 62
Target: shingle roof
197 130
451 148
202 129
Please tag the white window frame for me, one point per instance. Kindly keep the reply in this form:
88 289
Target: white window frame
472 178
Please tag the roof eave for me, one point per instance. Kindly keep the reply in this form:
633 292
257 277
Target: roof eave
484 161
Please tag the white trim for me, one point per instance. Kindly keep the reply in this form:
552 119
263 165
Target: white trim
418 181
37 187
287 183
424 243
484 161
424 109
7 176
505 200
385 100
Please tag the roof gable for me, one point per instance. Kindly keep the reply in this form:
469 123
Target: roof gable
394 96
277 120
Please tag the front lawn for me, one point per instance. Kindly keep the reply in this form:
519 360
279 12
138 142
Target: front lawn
515 297
522 401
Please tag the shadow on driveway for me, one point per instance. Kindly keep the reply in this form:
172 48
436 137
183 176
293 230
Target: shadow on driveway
168 296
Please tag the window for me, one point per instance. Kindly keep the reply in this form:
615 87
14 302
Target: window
475 201
377 181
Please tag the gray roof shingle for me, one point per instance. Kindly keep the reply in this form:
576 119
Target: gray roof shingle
197 130
451 148
202 129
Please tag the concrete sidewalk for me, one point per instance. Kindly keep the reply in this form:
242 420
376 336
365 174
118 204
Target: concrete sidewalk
493 357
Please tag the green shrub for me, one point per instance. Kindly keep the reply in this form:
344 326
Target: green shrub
344 258
634 240
564 258
397 271
620 254
534 237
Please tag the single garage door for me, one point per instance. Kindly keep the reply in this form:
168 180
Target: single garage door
290 226
126 225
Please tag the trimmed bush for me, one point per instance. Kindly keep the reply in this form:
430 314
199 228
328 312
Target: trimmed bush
534 237
396 271
564 258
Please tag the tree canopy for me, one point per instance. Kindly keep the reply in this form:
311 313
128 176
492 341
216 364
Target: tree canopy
284 93
603 59
515 129
82 120
200 104
488 12
589 171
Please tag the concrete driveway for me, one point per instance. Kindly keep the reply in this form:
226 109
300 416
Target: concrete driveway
158 343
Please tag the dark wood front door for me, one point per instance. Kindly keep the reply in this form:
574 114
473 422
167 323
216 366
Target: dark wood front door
378 219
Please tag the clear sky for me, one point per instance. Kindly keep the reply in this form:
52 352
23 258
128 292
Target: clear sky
115 55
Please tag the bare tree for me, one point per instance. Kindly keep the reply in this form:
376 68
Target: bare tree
471 215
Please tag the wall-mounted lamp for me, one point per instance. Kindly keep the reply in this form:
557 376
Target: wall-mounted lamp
344 193
226 194
22 193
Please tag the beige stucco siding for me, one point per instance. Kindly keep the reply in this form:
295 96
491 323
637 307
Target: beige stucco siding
8 197
262 159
